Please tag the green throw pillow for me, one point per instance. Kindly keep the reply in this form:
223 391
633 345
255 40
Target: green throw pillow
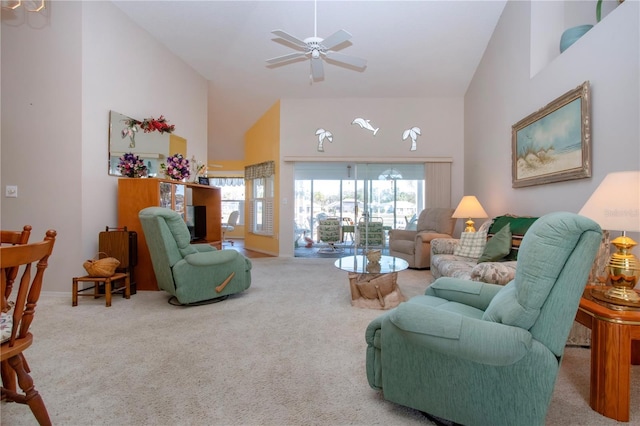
519 226
498 246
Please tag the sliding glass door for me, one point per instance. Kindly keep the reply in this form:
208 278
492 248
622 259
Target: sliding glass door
356 192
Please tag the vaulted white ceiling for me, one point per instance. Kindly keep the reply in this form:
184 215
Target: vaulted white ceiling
412 48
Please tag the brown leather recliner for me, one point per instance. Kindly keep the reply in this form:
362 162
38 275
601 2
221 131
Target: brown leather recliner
415 246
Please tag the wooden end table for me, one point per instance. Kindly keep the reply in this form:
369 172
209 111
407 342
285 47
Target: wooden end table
615 346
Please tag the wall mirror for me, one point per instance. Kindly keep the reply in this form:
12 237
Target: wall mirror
153 148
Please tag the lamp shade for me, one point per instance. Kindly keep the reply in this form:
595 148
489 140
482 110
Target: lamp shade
615 204
469 207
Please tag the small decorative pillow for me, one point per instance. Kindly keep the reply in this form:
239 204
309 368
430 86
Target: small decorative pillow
471 244
6 324
498 246
494 272
519 226
444 245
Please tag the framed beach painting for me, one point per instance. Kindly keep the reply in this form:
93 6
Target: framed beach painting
554 143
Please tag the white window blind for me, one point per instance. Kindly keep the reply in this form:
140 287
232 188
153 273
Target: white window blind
261 204
261 215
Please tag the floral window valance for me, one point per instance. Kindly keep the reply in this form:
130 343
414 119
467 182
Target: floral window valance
226 181
260 171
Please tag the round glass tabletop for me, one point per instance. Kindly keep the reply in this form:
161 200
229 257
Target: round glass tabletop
360 265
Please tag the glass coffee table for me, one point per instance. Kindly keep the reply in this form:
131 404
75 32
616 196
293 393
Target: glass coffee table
359 264
373 284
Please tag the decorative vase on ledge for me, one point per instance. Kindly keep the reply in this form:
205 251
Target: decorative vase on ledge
571 35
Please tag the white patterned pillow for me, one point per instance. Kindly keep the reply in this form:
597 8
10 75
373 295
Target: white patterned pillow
471 244
6 323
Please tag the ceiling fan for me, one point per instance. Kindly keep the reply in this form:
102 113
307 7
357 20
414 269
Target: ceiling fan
317 49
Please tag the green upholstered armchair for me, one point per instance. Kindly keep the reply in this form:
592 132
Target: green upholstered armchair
484 354
191 272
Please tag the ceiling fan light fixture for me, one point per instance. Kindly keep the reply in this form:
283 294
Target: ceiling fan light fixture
316 47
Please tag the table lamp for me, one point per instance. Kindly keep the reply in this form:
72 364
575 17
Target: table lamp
615 206
469 207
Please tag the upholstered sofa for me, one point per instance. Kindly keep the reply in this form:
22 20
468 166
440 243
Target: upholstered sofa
414 246
459 257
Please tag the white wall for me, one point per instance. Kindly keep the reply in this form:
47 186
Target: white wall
59 84
440 120
502 93
42 132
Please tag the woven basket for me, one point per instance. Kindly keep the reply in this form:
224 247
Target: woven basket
103 268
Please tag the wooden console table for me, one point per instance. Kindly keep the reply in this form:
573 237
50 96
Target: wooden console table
615 346
134 194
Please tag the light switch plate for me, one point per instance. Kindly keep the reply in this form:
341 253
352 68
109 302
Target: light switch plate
11 191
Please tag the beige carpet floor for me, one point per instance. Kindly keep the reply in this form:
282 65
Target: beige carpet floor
289 351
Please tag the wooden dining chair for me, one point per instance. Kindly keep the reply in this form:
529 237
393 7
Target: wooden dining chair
16 337
13 238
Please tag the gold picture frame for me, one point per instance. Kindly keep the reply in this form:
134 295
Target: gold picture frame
554 143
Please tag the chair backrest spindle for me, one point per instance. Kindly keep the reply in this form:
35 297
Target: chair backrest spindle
13 238
23 256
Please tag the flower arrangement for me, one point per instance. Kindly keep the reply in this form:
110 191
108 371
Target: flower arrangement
198 168
177 167
151 125
148 125
131 165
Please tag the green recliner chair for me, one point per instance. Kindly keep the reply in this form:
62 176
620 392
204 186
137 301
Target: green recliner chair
193 273
484 354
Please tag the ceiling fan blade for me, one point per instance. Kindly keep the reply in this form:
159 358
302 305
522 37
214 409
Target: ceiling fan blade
289 38
285 58
346 59
335 39
317 70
